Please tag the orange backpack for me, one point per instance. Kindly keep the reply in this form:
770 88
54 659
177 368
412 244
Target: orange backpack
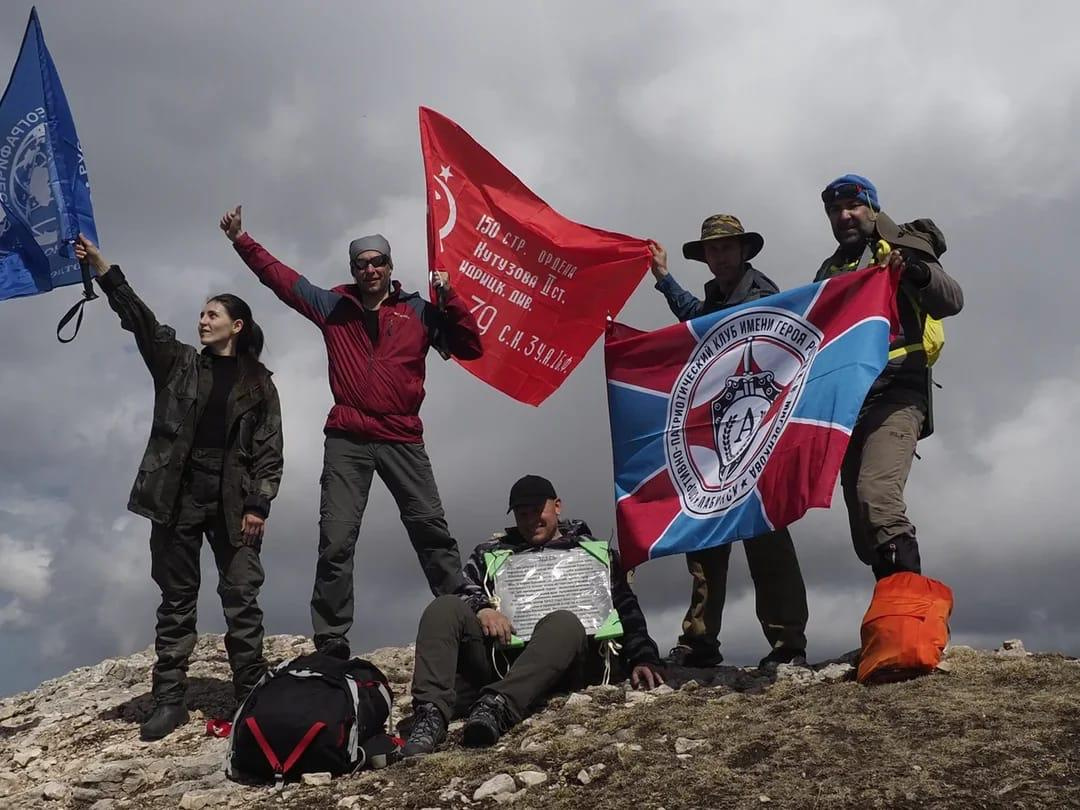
905 629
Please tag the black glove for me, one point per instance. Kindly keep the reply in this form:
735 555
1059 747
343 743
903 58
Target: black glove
916 271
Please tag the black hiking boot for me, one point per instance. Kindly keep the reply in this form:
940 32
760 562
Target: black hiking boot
683 655
489 719
901 554
429 729
163 721
783 655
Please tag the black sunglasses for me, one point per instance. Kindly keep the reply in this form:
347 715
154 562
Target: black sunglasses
844 191
378 261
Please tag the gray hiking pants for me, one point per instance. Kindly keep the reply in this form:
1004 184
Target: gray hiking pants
348 467
873 476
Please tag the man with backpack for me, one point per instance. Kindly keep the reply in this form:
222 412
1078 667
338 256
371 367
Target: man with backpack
897 411
377 337
726 249
464 661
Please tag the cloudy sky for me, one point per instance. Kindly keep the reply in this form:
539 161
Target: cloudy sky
631 117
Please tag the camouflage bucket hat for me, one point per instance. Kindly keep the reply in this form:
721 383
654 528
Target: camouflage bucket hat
723 226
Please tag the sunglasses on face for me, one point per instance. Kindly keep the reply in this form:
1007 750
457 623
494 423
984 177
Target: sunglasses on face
377 261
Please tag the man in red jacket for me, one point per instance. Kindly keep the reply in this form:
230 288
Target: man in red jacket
377 337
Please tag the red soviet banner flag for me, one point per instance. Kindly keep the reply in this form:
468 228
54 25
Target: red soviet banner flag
539 285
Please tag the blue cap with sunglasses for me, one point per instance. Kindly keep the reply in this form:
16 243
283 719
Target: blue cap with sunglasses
375 242
851 187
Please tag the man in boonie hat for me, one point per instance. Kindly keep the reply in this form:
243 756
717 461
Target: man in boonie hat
727 248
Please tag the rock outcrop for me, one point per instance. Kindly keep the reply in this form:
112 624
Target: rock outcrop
990 730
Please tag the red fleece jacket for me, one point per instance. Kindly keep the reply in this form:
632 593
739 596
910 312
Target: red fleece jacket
378 389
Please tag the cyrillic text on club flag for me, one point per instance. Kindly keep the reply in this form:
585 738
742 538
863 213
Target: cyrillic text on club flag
539 285
734 424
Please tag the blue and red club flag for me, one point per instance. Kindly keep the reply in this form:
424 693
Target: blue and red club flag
44 188
734 424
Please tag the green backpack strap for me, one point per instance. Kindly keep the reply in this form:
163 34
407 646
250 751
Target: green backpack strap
598 549
494 560
611 628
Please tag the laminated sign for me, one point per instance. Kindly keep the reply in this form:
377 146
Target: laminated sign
530 586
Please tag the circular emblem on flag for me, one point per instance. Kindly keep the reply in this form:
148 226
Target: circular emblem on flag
29 190
731 402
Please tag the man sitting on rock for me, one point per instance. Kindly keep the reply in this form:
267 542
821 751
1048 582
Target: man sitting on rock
456 650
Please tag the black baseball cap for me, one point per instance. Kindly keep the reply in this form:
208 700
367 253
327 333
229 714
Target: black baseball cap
529 490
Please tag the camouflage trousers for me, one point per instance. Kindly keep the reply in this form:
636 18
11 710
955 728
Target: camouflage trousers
778 585
174 566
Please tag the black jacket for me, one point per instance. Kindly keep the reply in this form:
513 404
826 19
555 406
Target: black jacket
183 378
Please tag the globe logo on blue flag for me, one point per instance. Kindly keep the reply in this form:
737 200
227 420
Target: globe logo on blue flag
29 191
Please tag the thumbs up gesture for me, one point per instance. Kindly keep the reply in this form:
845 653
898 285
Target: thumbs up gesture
230 224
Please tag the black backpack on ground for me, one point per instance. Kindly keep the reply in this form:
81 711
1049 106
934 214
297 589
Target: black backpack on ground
315 713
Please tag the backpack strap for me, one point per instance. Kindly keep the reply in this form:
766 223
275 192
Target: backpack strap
268 751
264 744
302 746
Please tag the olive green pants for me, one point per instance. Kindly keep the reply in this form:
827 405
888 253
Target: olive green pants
778 585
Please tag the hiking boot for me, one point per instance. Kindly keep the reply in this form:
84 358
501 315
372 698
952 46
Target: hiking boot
335 648
429 729
489 719
163 721
241 690
901 554
783 655
683 655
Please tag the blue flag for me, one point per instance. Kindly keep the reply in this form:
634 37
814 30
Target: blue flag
44 187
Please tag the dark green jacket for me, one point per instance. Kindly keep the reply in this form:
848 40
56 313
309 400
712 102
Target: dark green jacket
182 381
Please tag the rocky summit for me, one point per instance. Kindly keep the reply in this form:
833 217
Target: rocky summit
989 729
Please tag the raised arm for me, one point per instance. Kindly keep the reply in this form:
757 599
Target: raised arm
683 305
314 303
454 328
156 342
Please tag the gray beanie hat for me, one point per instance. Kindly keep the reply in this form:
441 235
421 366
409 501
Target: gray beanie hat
375 242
